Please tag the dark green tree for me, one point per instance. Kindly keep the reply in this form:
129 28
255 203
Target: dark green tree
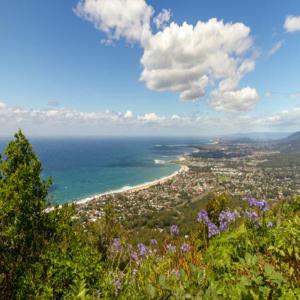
216 205
42 253
24 224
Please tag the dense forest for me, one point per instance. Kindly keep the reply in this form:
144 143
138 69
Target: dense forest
247 251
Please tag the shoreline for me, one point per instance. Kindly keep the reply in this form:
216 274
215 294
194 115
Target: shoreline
143 186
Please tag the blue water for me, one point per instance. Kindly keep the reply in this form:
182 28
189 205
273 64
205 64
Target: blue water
83 167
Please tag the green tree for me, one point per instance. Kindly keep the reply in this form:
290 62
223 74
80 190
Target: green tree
216 205
24 224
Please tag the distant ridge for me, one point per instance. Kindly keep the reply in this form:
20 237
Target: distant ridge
256 136
292 138
291 143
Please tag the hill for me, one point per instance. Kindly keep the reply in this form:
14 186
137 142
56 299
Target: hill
289 152
293 137
289 144
257 136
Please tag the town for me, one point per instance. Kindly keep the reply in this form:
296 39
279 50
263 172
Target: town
220 167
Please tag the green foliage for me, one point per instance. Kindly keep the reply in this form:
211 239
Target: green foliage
24 226
286 246
41 252
216 205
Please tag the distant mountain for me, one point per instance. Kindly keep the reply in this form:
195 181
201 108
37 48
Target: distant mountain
289 144
257 136
292 138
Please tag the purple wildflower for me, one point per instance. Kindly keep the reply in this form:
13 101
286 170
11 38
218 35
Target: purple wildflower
174 230
134 256
142 249
270 224
212 229
261 205
185 248
116 245
134 273
153 242
118 283
253 216
225 218
203 216
252 202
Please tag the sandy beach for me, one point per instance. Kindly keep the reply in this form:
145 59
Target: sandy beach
137 188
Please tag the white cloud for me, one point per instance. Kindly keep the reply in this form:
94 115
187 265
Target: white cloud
238 100
70 122
285 118
2 105
162 19
10 113
128 114
183 59
292 23
186 59
150 117
275 48
129 19
229 98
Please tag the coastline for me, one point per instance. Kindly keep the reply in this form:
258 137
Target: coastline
184 168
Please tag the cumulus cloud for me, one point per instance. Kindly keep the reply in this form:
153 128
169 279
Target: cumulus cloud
229 98
292 23
275 48
183 59
238 100
68 116
19 114
285 119
128 114
129 19
162 19
71 122
2 106
150 117
186 58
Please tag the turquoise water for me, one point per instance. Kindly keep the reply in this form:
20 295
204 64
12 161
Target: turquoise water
83 167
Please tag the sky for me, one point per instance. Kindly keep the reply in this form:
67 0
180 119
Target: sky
136 67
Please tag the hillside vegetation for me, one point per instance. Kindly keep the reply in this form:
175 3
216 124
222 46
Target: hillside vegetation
251 251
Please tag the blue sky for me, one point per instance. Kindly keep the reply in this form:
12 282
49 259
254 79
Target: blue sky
57 76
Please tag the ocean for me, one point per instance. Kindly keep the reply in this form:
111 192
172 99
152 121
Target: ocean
83 167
